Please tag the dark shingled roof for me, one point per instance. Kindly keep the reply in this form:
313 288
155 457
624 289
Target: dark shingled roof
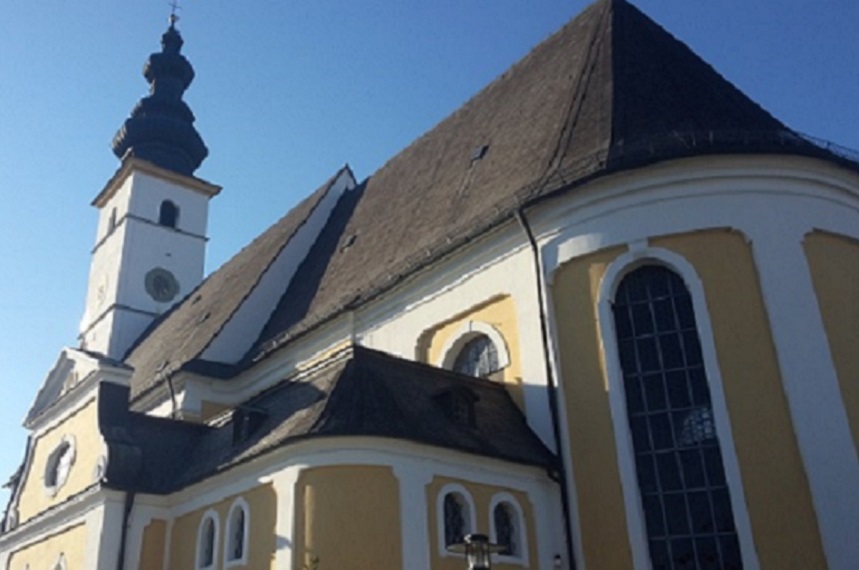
184 332
359 393
610 91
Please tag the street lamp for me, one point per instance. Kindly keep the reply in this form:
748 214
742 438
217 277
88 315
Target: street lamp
477 550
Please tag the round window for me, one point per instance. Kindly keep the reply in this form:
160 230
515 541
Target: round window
59 464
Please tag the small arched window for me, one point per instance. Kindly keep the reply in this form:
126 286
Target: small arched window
478 357
456 519
236 535
168 214
678 457
506 529
206 541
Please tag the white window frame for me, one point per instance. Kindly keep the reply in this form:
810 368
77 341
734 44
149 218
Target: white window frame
238 504
520 559
52 463
209 515
470 516
468 331
639 255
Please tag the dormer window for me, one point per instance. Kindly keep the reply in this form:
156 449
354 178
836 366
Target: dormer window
458 405
168 214
478 357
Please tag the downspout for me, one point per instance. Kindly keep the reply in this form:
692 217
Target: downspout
126 519
551 388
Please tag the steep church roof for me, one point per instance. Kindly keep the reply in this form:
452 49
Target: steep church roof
610 91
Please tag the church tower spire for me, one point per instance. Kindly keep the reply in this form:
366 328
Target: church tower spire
161 129
151 240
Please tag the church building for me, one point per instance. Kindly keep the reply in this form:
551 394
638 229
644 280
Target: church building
605 314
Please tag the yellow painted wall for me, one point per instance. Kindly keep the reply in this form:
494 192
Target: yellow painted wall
602 515
262 520
482 496
783 521
44 554
89 446
348 516
776 487
153 545
834 264
501 314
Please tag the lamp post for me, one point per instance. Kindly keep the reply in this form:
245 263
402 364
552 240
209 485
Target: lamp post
477 550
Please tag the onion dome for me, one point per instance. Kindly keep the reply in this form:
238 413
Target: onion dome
161 126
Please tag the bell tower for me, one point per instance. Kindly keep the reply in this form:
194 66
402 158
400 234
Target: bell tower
151 240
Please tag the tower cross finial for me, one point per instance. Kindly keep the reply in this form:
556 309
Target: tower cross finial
174 7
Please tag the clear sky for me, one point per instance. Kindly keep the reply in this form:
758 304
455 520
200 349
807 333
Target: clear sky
286 93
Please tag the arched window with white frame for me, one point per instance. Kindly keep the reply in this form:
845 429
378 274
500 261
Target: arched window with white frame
236 534
456 516
207 540
507 529
684 493
476 349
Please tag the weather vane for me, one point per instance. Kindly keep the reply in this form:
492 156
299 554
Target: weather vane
174 6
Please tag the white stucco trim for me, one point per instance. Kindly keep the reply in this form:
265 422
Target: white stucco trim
244 325
811 386
520 522
470 516
468 331
238 504
284 483
414 515
639 255
210 515
53 467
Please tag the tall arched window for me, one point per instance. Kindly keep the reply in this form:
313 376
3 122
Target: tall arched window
478 357
168 214
207 540
236 534
684 493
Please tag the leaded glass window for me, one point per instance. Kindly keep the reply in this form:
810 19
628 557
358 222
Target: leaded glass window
506 533
479 357
454 519
685 496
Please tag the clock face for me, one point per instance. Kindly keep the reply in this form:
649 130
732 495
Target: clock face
161 285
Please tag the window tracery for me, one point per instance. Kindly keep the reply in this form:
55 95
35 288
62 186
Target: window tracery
681 477
478 357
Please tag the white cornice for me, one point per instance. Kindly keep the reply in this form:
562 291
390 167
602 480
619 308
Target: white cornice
131 164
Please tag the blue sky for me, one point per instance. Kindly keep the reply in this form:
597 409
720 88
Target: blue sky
286 93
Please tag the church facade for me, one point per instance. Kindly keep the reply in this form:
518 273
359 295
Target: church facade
604 313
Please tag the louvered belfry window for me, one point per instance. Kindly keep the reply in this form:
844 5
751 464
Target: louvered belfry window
685 497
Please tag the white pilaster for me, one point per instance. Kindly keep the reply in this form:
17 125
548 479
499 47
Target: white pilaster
284 488
811 387
413 515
